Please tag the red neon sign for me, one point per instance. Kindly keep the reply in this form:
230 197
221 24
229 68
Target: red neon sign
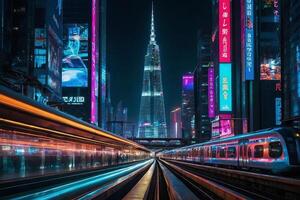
224 31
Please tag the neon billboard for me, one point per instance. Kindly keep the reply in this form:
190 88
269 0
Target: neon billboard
225 87
226 126
75 56
249 40
211 93
188 82
94 88
278 111
224 31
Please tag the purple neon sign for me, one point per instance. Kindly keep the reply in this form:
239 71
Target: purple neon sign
188 82
93 65
211 93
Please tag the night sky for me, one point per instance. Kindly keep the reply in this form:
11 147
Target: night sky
128 31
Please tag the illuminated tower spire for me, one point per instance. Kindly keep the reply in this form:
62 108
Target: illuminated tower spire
152 120
152 35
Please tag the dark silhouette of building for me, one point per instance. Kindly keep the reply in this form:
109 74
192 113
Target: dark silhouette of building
290 40
188 108
30 48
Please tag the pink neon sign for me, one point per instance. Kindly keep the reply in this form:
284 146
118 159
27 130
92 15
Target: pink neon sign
224 31
226 126
93 64
211 93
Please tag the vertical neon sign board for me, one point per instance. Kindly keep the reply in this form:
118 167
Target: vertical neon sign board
224 31
249 40
278 111
93 65
225 87
211 93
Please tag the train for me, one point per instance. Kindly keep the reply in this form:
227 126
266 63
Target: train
276 150
37 140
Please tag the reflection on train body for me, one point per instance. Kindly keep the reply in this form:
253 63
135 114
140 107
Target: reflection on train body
24 155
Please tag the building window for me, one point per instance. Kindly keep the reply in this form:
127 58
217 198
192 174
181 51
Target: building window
231 152
222 152
213 152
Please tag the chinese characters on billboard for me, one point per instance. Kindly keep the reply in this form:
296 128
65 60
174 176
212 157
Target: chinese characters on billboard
75 56
249 40
211 93
225 87
224 31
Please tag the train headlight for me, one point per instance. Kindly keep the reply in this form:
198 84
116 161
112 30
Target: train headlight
297 134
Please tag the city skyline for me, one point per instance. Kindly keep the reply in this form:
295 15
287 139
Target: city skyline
87 87
177 35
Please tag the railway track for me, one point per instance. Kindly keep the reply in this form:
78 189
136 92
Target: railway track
249 184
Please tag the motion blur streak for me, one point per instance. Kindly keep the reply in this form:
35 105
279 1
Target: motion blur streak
34 110
66 189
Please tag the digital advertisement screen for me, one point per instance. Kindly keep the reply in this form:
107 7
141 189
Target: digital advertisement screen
54 54
75 56
270 70
39 48
188 82
54 63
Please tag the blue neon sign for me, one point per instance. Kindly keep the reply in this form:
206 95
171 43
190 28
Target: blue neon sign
249 40
225 87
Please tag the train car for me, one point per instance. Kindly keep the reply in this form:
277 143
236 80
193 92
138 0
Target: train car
276 150
37 140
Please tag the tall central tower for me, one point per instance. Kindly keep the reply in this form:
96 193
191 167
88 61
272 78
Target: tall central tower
152 119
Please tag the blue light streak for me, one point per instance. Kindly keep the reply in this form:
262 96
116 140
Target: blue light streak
69 188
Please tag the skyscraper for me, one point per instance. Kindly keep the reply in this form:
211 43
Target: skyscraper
203 89
30 49
152 120
187 107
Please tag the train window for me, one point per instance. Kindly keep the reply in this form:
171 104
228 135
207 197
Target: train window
275 149
249 152
231 152
222 152
258 151
213 152
202 152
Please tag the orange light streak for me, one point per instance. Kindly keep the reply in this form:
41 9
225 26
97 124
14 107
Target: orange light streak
11 102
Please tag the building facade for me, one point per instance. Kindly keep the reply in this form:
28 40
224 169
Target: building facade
188 108
30 49
291 60
202 92
83 60
152 119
